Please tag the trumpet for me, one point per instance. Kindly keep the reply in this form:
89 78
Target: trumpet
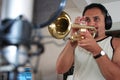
61 27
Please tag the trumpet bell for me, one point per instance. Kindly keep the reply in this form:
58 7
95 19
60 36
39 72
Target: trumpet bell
60 28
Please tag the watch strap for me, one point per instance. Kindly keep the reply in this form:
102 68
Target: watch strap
102 53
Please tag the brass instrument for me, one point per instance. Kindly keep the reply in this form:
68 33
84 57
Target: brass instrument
61 27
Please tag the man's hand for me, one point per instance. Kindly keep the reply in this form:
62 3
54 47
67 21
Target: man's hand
89 43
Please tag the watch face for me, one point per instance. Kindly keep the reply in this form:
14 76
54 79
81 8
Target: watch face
102 53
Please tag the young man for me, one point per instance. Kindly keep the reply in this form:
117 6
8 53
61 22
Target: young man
95 58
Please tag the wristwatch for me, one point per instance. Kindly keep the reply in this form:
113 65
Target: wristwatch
102 53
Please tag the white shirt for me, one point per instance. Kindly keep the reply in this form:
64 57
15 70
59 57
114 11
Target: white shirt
85 67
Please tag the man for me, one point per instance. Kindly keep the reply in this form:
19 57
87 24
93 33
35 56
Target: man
95 58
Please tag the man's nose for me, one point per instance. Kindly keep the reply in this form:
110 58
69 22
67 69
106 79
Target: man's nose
91 23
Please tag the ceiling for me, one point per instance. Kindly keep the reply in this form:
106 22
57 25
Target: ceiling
80 4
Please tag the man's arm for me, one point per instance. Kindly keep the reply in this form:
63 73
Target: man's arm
66 58
111 69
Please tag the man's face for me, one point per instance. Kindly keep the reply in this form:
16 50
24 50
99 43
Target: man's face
94 17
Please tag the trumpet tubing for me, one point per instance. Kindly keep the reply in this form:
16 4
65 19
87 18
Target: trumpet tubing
61 27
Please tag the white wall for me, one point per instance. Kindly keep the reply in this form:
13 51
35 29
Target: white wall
114 11
47 62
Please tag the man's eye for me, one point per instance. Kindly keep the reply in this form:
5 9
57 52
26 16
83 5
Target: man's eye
96 19
87 20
